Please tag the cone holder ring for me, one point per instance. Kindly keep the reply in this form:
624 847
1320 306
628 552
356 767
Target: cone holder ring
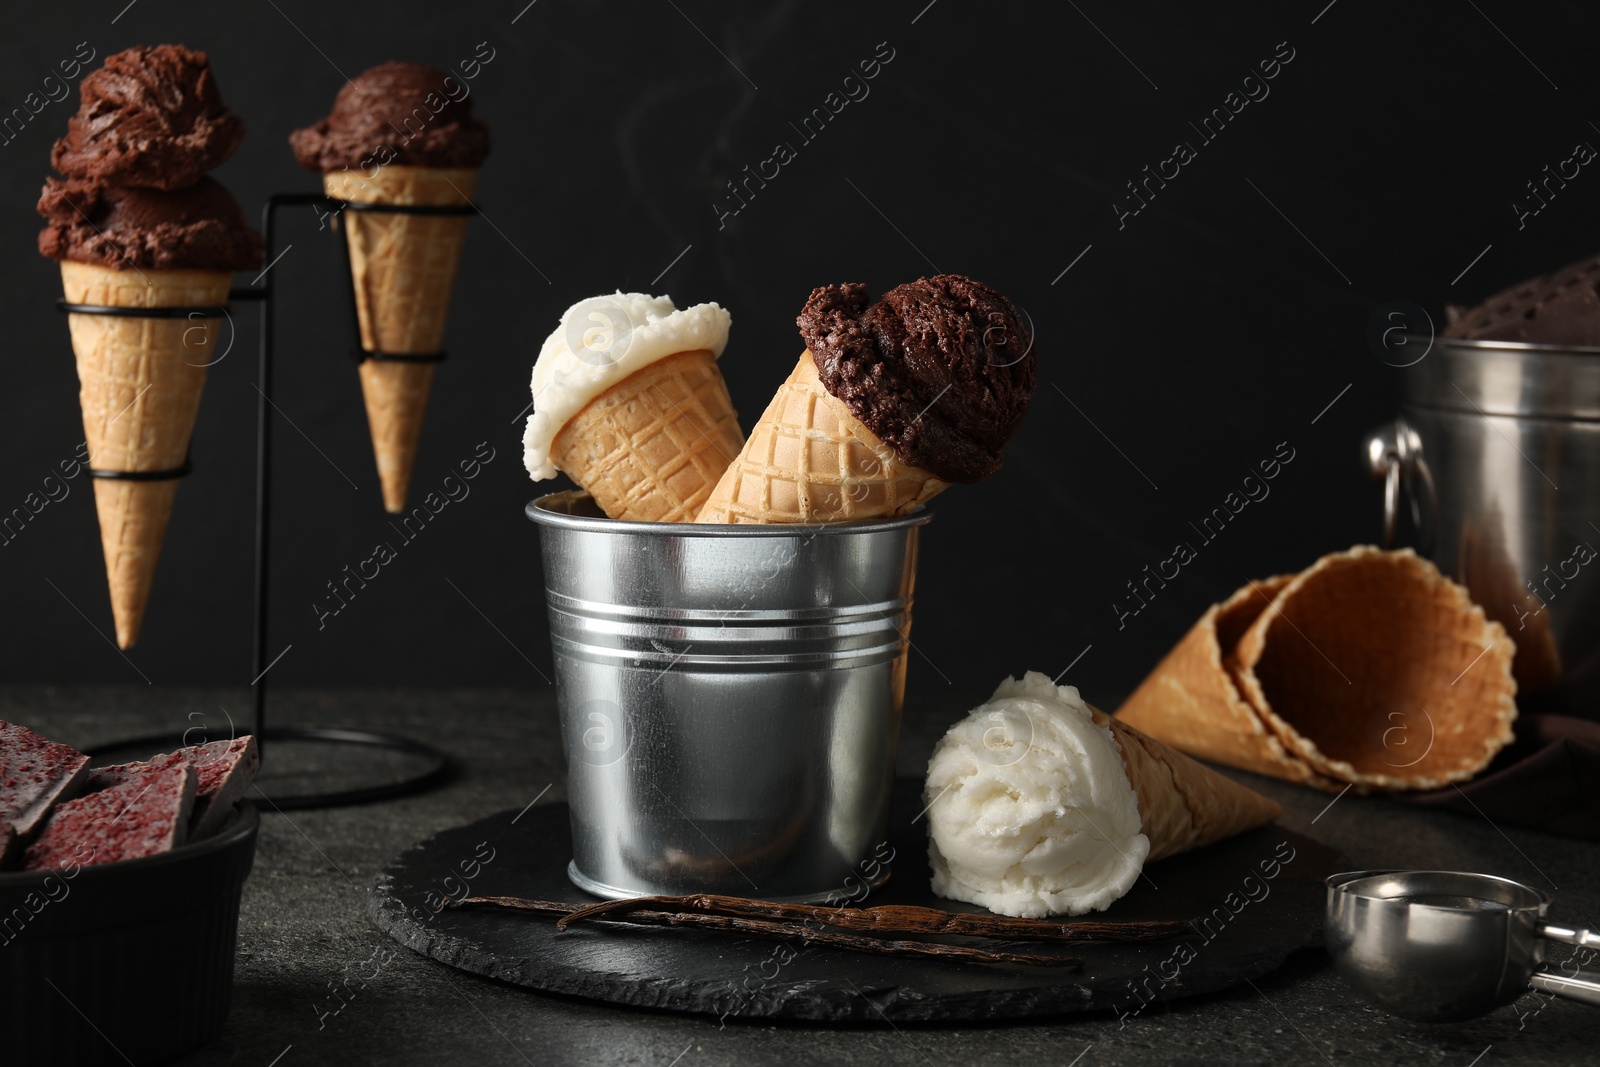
215 312
359 354
168 475
212 312
437 765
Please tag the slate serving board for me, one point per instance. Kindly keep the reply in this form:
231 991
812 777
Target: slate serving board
1259 896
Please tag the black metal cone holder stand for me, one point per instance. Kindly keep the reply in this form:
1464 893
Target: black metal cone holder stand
436 764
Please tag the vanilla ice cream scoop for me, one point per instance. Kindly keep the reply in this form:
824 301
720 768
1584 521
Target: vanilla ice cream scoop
1039 804
599 343
628 401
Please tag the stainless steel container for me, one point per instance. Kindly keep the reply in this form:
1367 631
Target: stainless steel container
730 698
1497 453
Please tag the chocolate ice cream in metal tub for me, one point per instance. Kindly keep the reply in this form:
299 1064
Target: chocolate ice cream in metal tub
730 689
1495 449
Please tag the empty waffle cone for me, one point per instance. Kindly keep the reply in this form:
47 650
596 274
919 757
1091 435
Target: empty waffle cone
404 269
1375 669
1184 804
810 460
1191 701
652 447
139 382
1369 669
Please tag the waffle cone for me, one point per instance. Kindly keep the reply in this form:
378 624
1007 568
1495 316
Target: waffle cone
1375 669
404 268
652 447
1191 701
1184 804
810 460
139 386
1368 669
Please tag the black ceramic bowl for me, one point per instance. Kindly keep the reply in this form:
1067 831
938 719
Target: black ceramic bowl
122 962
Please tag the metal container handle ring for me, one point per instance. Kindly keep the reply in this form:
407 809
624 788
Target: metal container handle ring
1394 453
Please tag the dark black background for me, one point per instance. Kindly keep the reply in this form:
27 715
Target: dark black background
1193 341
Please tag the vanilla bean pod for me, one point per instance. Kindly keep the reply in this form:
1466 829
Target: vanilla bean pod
784 931
895 918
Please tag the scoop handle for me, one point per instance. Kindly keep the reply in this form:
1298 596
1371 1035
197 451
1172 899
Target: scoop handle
1584 985
1570 935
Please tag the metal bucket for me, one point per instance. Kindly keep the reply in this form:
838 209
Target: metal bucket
730 699
1497 455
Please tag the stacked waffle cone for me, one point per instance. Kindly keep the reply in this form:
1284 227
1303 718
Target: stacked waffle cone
1368 669
403 268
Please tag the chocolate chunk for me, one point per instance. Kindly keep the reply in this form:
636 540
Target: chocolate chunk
223 771
144 815
34 775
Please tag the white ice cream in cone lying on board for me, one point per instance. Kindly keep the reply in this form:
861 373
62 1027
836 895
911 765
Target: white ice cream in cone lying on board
400 134
1040 804
1368 668
629 403
137 225
890 403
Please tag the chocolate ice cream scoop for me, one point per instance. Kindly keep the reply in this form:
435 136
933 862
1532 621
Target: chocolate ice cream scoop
405 113
149 117
940 369
200 227
1557 309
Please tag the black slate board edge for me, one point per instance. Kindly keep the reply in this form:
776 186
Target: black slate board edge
860 1000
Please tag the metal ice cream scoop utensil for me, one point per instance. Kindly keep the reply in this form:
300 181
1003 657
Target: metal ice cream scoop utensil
1443 946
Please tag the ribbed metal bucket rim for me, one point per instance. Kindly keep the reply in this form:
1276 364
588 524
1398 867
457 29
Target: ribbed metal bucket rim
540 512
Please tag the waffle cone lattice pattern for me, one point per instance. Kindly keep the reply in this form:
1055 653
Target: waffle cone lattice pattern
651 447
810 460
139 386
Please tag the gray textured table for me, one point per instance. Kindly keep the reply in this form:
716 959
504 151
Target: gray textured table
304 925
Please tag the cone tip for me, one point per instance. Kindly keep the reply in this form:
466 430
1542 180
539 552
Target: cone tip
394 482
